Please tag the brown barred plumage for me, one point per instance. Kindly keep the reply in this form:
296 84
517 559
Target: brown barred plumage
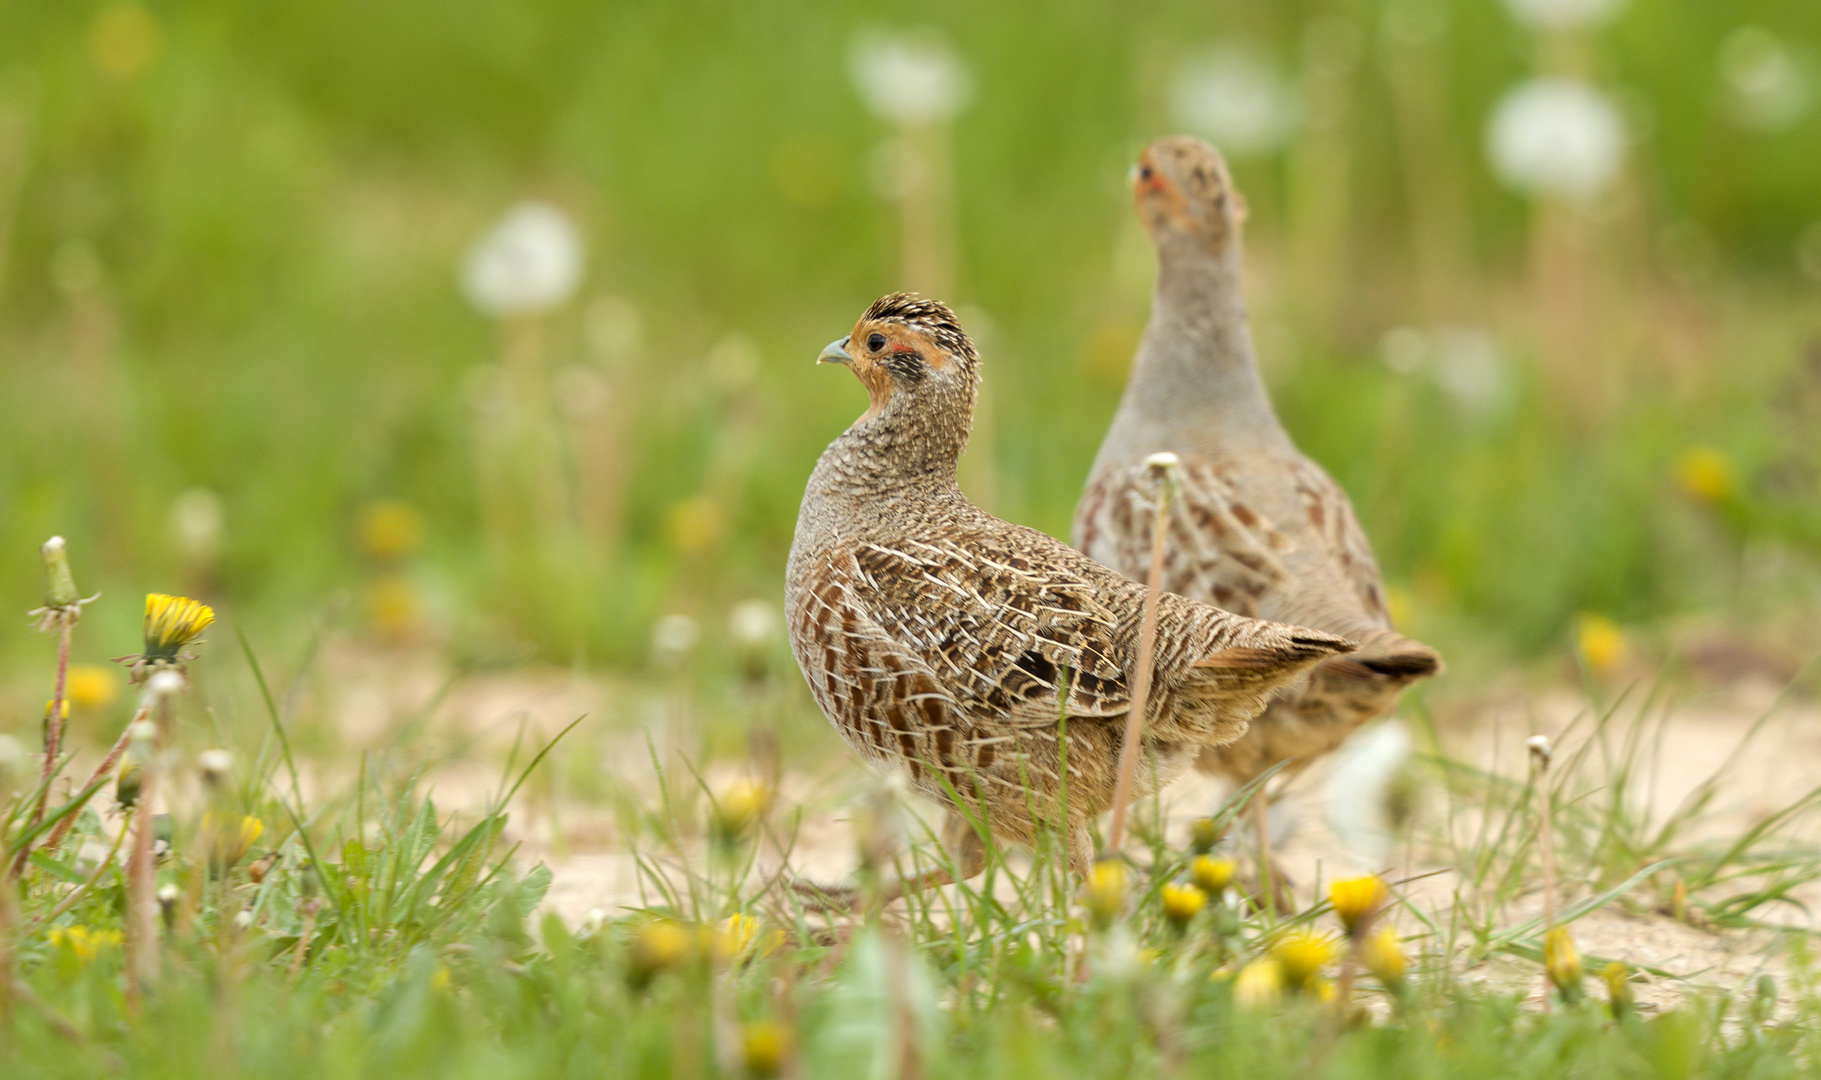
948 644
1259 529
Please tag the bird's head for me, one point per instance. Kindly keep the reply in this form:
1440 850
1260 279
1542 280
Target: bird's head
913 358
1183 191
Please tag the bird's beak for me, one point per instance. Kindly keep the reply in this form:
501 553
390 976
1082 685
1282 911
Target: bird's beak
836 353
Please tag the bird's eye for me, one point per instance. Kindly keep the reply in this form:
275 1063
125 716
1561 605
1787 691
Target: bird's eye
876 342
1144 172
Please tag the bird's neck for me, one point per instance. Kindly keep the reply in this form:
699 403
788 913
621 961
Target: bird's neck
1195 373
901 453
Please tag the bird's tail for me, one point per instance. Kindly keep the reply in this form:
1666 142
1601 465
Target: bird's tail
1385 657
1231 685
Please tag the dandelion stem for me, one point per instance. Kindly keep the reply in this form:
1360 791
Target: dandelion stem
1141 676
53 738
107 765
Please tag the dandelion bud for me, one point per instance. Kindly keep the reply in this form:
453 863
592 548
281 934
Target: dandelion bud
764 1046
1211 875
229 839
1617 977
1163 469
1260 984
1105 892
168 895
1384 958
1356 900
59 583
738 808
215 766
1540 750
1562 962
171 622
1204 833
657 947
1182 903
1300 956
127 786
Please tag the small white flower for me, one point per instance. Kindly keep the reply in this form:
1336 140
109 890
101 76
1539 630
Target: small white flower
674 638
163 685
909 78
215 764
594 921
196 518
1237 98
1562 14
1769 85
530 261
1554 136
168 893
752 624
243 919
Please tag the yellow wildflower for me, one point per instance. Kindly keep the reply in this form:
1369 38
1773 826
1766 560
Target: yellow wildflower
1203 835
229 840
391 530
735 937
1562 962
1211 875
171 622
696 524
1258 984
1602 644
1705 473
1383 956
92 686
1105 892
393 606
1300 955
658 946
739 807
1356 900
765 1044
1617 977
1182 903
82 942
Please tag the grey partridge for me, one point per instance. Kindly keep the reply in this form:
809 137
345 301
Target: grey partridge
1258 529
950 646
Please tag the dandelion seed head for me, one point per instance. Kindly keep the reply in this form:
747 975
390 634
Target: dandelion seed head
1563 14
1237 98
673 638
1769 85
163 685
197 522
215 765
910 78
530 261
1557 137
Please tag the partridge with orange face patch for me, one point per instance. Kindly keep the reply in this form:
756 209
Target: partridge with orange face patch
1259 529
947 645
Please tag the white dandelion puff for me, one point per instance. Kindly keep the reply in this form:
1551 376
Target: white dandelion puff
911 78
1563 14
530 261
1555 136
1769 86
1237 98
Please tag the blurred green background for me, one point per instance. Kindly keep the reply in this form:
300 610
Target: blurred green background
236 358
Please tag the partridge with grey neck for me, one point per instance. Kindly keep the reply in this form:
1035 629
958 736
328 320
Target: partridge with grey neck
949 646
1259 529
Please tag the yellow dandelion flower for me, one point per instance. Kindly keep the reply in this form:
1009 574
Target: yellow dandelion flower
1383 956
1705 473
1259 984
1356 900
735 937
393 606
83 942
765 1045
391 530
695 524
1182 903
1105 892
171 622
1211 875
229 839
1617 977
1300 955
658 946
1562 962
739 807
92 686
1602 644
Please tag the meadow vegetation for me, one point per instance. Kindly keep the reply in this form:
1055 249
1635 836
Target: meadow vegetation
240 363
